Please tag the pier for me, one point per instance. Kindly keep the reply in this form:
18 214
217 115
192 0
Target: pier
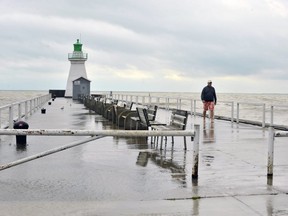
120 175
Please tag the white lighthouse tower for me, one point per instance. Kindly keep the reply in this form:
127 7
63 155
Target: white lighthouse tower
77 68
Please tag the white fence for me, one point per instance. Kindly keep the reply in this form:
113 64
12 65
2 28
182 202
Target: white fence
254 113
17 111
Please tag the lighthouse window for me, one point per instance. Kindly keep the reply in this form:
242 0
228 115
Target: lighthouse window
77 82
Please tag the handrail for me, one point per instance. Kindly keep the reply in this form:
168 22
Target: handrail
30 106
192 105
271 138
96 134
69 132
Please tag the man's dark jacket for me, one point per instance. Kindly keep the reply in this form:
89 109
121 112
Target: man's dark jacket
209 94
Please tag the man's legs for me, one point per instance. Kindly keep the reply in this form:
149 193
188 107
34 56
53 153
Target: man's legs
212 115
205 108
211 108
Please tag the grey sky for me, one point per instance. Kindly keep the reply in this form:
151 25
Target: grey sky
151 45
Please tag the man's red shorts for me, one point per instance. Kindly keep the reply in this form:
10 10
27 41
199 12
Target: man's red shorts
208 105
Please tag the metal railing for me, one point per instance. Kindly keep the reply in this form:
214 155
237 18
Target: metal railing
16 111
96 134
271 138
254 113
78 55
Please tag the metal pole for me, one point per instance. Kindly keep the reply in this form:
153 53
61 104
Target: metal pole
196 152
237 113
194 108
26 109
11 116
30 107
68 132
232 111
19 111
51 151
263 116
191 107
270 152
272 115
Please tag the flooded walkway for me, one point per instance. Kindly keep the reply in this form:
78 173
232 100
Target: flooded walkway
131 176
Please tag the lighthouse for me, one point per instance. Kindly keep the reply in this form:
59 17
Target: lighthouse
77 68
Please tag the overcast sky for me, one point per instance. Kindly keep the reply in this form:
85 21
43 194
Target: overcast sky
147 45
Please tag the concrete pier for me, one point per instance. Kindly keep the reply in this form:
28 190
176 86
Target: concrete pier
131 176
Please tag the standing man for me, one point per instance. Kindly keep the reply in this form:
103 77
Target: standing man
209 99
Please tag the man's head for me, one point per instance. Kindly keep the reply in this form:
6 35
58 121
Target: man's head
209 82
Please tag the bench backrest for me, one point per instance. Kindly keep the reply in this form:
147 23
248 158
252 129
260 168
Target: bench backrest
151 112
128 105
179 119
143 117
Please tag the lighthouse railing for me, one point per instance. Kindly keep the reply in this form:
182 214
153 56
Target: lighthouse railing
78 55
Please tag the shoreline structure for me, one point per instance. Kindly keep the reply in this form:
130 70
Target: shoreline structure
131 176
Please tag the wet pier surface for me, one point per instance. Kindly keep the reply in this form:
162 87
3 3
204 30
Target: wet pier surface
131 176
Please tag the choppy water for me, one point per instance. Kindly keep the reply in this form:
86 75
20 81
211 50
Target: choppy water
8 97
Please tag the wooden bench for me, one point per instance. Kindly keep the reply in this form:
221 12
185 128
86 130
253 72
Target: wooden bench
108 110
151 111
178 122
123 113
144 122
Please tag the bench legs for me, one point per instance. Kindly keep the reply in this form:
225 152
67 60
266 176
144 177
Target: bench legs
156 139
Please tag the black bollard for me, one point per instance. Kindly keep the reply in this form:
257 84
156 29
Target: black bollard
43 111
20 139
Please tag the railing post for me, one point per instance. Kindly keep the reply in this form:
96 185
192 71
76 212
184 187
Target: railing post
270 152
167 107
30 107
167 104
195 108
191 107
196 152
180 105
11 116
237 113
19 111
26 109
272 116
263 116
34 105
232 111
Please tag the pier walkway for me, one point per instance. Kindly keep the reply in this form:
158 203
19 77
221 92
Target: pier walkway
131 176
